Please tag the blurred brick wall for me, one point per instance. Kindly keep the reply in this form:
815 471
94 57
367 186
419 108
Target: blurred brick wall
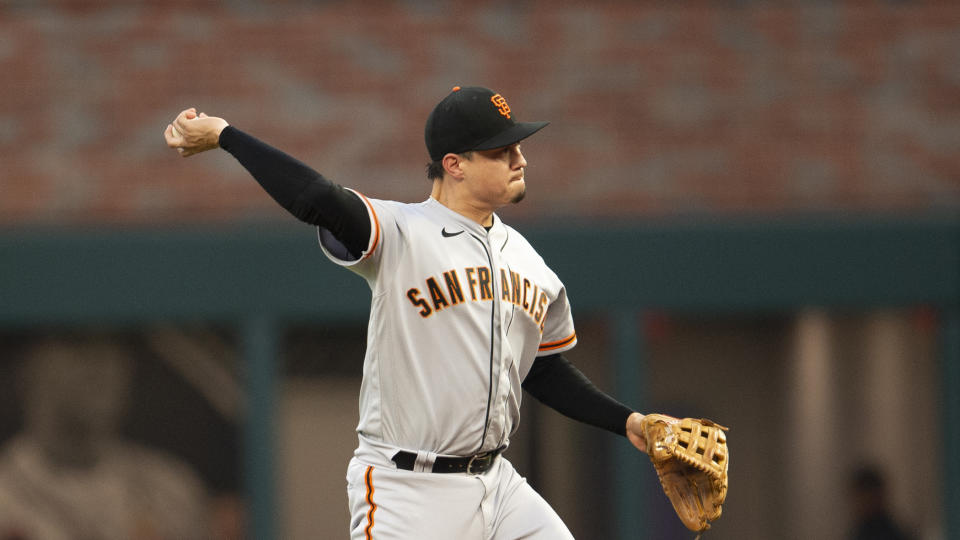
656 108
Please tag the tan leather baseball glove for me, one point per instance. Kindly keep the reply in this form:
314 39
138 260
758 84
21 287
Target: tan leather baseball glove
691 459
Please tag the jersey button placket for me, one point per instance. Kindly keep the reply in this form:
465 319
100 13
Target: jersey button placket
494 352
500 393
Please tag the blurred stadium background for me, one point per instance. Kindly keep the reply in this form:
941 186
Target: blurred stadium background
765 192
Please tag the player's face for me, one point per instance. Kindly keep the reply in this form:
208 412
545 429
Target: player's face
495 177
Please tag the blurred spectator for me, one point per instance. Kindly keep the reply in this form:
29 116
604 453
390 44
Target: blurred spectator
69 474
873 520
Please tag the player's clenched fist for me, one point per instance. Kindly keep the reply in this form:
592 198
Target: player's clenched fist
191 133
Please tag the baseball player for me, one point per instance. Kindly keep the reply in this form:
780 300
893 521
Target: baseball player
464 315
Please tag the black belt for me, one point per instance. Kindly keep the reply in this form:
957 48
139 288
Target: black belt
476 464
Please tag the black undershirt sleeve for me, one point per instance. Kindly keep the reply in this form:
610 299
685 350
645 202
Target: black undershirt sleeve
558 384
304 192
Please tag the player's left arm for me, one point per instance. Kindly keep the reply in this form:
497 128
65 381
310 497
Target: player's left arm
558 384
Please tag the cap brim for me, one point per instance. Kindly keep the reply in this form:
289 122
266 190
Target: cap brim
515 133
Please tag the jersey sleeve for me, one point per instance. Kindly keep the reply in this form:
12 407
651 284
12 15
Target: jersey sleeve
383 220
558 332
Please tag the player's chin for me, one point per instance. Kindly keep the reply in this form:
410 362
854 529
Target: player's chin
520 193
519 188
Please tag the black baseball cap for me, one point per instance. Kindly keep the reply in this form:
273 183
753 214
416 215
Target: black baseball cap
473 118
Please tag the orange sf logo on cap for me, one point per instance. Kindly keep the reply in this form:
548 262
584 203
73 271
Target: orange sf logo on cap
501 104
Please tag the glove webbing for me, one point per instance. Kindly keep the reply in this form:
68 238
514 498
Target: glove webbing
694 439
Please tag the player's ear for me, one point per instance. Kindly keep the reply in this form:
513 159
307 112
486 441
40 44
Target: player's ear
452 164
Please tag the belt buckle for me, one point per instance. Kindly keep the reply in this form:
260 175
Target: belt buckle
475 457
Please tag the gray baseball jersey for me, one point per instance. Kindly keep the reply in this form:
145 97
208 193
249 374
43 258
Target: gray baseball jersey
458 315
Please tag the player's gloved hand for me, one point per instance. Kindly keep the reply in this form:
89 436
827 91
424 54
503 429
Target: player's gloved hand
635 432
191 133
691 458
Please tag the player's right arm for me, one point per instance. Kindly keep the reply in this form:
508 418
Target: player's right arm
299 189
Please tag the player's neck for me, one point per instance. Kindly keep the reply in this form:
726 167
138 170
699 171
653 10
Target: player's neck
474 212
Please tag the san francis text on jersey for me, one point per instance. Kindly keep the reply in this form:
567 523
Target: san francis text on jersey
450 290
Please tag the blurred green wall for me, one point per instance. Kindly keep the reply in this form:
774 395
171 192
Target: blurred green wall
261 276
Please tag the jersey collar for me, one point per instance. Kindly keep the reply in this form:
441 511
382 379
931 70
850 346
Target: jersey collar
453 219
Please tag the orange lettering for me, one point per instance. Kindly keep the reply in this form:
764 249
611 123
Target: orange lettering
439 300
501 104
414 296
483 276
473 282
504 286
541 313
453 286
